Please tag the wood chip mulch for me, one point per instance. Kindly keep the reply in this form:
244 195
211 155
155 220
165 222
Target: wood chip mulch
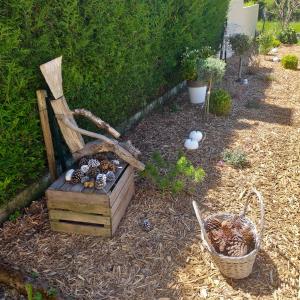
169 262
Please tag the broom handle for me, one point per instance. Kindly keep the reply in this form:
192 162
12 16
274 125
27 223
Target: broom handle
204 238
262 211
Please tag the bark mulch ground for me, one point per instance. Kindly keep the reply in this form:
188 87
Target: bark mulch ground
169 262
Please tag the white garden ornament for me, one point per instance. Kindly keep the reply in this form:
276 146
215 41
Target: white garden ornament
276 59
274 50
69 174
191 144
196 135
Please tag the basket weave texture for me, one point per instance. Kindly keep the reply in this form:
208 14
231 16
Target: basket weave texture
234 267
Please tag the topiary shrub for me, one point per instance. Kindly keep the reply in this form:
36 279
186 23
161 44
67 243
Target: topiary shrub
288 36
220 103
290 61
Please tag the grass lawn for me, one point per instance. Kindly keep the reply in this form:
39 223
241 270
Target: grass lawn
275 26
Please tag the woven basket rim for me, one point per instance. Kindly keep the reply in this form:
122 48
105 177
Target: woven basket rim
235 258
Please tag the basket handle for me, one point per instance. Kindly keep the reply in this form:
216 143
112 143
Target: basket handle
262 211
204 238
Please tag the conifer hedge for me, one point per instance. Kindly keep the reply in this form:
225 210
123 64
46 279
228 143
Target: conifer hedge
117 56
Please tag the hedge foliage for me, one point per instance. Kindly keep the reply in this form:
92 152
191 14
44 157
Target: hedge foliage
117 56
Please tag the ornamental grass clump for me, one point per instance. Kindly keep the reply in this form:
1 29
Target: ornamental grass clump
265 42
236 158
290 61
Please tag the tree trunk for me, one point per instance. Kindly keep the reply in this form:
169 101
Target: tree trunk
240 69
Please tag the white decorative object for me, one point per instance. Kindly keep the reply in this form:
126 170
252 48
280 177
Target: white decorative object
94 163
197 92
274 50
191 144
196 135
84 168
110 176
69 174
116 162
245 81
276 59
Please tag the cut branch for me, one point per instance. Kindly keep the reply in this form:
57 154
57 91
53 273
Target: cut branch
97 121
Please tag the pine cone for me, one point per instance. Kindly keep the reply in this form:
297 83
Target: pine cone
85 179
93 163
212 224
76 176
110 176
83 161
106 165
99 156
93 172
100 181
236 246
248 236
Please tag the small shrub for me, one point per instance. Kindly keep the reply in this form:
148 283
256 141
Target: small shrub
189 63
211 69
268 77
14 216
240 43
276 43
288 36
236 158
220 103
173 177
265 41
290 62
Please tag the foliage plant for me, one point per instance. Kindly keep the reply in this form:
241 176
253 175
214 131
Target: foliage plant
191 59
266 42
288 36
170 176
14 216
220 103
290 61
276 43
117 56
237 158
240 43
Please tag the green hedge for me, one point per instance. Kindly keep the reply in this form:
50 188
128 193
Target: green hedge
117 56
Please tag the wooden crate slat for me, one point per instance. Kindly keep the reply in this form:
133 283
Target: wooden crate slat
119 186
126 197
56 214
81 229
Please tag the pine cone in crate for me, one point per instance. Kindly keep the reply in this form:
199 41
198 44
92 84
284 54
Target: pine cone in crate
106 165
93 172
100 181
93 163
76 176
83 161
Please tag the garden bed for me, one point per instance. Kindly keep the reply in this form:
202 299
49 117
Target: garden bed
169 261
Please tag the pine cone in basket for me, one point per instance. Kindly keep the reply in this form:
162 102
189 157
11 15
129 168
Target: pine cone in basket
236 246
83 161
249 237
106 165
212 224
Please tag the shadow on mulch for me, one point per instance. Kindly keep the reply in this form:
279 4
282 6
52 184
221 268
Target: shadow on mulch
263 280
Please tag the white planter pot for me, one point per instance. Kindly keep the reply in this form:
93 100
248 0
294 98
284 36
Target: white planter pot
197 92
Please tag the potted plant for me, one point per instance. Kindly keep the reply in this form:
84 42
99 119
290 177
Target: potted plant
210 70
240 43
190 62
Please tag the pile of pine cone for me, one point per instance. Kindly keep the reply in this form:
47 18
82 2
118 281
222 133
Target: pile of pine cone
231 237
93 171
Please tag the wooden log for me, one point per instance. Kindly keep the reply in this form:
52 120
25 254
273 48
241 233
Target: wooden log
97 121
41 97
108 146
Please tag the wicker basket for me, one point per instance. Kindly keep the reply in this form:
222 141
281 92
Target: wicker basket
235 267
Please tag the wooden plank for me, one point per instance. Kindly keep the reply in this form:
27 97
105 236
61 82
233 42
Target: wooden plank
78 207
80 229
56 214
41 97
121 209
57 184
118 173
78 197
117 189
73 138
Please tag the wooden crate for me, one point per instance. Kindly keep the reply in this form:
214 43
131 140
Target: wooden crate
75 209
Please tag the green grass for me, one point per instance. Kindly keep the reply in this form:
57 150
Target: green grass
274 26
